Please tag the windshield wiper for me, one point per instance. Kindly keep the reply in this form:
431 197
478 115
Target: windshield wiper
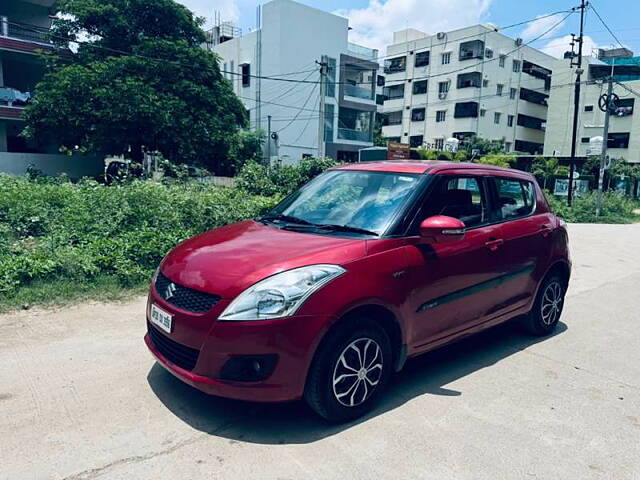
285 218
346 228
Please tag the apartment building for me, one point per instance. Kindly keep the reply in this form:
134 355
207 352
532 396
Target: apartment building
291 39
468 82
624 125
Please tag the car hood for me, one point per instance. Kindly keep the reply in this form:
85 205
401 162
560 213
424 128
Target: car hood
227 260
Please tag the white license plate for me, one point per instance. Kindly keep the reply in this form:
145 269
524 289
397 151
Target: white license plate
161 318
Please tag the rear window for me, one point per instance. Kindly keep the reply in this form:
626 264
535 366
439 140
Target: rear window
516 198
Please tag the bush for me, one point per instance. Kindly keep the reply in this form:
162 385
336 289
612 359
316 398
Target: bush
53 229
281 180
616 208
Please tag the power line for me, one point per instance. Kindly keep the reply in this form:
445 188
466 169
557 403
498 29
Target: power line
605 25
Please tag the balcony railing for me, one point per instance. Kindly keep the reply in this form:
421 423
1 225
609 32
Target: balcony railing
355 135
11 29
362 52
359 92
13 98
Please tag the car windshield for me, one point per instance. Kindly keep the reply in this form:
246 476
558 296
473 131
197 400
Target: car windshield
357 200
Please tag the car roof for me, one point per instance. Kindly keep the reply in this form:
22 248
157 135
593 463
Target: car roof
433 167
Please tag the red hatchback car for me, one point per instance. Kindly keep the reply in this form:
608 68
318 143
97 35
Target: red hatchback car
366 265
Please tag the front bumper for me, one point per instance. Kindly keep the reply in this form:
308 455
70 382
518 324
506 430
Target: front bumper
292 339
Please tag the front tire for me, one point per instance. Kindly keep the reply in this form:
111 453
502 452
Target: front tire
547 308
350 370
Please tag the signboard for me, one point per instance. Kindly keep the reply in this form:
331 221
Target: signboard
398 151
561 187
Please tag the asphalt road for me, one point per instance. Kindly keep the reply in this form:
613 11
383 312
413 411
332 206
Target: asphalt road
81 398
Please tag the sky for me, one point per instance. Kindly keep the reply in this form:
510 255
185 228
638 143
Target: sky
374 21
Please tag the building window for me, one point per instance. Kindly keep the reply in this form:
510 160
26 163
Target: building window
585 140
394 65
330 87
420 87
446 58
466 110
502 60
499 89
416 141
224 70
246 74
443 88
328 122
516 66
232 70
512 93
471 79
394 91
510 120
485 83
507 147
624 107
422 59
618 140
531 122
355 125
392 118
441 115
588 108
417 114
439 143
529 147
483 112
496 117
472 49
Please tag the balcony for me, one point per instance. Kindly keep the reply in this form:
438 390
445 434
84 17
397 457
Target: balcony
395 65
354 135
531 122
536 70
23 38
468 80
362 52
365 93
533 96
472 49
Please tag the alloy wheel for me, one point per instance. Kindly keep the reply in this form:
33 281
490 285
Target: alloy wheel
357 372
551 305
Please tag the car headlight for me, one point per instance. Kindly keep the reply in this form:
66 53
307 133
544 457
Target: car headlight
281 294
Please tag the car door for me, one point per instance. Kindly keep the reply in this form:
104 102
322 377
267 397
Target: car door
527 240
451 283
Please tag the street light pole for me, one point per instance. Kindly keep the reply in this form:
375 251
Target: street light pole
323 72
576 103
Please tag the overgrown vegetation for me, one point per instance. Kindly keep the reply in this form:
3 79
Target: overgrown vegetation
616 208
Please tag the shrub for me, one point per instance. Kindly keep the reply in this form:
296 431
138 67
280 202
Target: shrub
51 228
497 160
616 208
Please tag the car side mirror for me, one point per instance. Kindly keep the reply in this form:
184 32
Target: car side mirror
441 229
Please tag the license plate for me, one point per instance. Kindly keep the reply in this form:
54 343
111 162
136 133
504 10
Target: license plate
161 318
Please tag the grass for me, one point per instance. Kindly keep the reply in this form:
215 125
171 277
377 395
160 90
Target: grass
62 292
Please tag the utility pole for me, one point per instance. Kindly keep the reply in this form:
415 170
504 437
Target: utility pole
605 141
268 139
576 102
323 73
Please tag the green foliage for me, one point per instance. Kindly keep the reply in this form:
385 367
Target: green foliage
548 168
246 147
54 230
427 154
616 208
281 180
139 80
484 146
620 168
504 161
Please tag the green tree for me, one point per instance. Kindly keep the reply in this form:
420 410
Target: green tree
483 146
246 147
137 80
504 161
547 168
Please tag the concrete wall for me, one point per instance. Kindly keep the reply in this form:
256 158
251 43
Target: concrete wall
75 167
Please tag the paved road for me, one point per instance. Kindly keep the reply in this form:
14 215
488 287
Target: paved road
80 398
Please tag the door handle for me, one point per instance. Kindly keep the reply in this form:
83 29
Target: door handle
545 230
493 245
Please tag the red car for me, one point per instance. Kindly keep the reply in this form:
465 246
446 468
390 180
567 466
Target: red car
368 264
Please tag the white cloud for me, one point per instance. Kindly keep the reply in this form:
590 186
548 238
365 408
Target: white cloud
558 46
543 24
373 26
228 9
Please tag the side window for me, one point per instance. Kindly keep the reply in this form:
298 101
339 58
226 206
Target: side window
516 198
459 197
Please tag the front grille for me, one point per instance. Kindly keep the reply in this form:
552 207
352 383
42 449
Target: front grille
181 355
183 297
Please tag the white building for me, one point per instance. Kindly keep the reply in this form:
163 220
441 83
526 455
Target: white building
624 125
292 38
472 81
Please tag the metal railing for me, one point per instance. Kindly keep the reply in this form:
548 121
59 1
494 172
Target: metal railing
359 92
19 31
362 52
355 135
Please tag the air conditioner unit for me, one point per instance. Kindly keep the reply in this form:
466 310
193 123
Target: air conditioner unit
518 42
441 35
442 95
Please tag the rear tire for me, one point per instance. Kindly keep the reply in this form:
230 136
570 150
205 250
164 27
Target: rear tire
349 371
547 308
